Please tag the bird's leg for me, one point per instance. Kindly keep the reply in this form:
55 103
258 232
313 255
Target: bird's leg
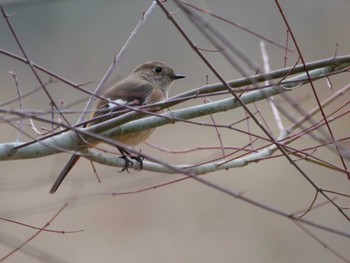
126 155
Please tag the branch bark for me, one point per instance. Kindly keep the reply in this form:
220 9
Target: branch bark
128 123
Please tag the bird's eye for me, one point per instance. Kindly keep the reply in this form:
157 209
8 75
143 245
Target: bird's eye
157 69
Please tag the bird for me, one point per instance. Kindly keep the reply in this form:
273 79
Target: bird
148 83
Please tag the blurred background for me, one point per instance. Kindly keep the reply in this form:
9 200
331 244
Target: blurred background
186 221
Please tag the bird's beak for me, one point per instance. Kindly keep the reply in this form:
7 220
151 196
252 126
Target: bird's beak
178 76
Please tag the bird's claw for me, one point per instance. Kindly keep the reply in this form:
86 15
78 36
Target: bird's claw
128 163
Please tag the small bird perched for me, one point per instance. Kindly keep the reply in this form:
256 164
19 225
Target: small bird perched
148 83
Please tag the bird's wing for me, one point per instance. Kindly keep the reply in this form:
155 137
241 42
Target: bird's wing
126 93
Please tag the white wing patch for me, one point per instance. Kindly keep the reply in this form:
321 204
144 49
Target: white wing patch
116 102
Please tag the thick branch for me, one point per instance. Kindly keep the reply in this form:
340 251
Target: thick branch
69 141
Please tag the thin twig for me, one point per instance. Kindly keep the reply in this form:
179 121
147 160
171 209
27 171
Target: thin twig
271 99
35 235
216 130
20 100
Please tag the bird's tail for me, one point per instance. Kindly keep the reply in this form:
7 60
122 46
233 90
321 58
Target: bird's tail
72 161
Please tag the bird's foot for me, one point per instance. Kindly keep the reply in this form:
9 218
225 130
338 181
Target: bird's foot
128 157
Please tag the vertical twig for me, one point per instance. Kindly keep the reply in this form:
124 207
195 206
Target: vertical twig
271 99
286 50
20 100
249 131
52 117
222 147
